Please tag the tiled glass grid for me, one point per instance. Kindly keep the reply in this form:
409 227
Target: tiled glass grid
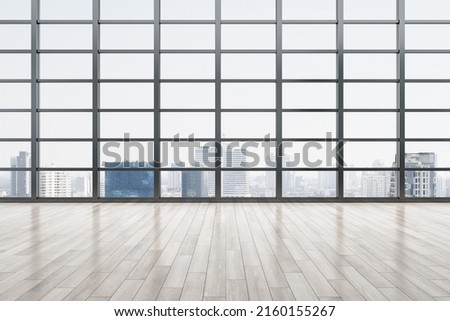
331 69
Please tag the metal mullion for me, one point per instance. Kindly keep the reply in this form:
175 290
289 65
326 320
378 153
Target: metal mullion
298 22
218 99
64 81
188 110
157 99
95 99
310 80
188 51
65 22
427 80
248 22
249 51
128 140
427 110
15 51
372 110
340 98
16 22
15 110
126 80
16 81
126 51
126 110
64 140
371 51
15 169
401 98
248 110
428 22
309 51
187 22
367 22
65 110
371 169
15 140
308 169
427 51
279 101
372 140
372 81
65 51
64 169
127 22
34 98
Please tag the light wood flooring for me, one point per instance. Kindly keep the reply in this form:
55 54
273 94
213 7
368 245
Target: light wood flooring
231 251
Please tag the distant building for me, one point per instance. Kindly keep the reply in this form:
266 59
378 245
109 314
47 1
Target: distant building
125 181
235 183
194 184
21 180
420 182
55 184
376 184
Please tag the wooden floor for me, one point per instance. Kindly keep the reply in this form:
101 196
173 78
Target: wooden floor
200 251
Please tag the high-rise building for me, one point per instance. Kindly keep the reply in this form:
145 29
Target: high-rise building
420 183
376 184
235 183
82 186
55 184
20 180
126 181
194 184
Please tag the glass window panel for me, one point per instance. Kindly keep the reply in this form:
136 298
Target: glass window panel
370 36
309 125
248 66
370 154
373 184
188 184
427 95
427 37
127 10
248 9
15 125
126 95
248 95
65 66
65 36
15 95
427 10
431 154
309 154
15 154
201 125
65 125
65 184
187 66
427 184
309 36
188 10
188 154
65 9
188 95
309 66
309 184
371 10
427 66
128 152
370 66
65 155
118 125
427 125
15 184
258 184
126 66
248 37
69 95
15 66
371 95
309 10
249 155
309 95
127 183
248 125
370 125
15 10
137 37
15 37
187 37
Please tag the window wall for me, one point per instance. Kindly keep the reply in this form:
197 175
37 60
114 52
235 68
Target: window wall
224 99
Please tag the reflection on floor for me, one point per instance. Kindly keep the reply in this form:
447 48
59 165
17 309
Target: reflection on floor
239 251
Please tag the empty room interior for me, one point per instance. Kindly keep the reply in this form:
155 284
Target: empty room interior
224 150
